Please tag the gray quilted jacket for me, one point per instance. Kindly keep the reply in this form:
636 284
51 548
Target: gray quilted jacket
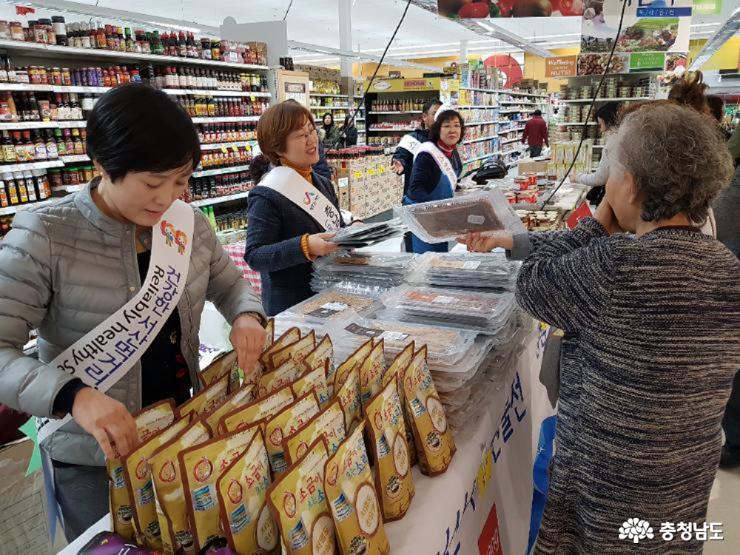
65 268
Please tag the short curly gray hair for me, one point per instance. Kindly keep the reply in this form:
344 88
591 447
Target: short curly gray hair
677 157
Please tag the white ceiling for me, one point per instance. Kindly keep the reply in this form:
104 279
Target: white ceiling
423 34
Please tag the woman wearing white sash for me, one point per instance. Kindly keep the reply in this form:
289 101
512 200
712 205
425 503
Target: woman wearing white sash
292 211
437 166
68 268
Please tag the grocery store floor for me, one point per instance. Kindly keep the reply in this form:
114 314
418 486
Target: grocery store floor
724 507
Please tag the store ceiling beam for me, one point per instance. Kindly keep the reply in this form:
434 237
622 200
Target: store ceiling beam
358 56
721 36
486 27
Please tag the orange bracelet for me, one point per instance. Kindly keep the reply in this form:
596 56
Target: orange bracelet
304 248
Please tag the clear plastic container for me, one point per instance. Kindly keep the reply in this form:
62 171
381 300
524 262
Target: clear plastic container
441 221
332 304
380 271
364 235
465 270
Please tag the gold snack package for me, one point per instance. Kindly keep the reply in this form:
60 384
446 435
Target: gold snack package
395 372
219 368
349 399
285 423
393 479
350 492
242 497
149 421
206 399
313 380
254 376
371 373
141 488
296 351
201 466
353 360
256 411
277 379
317 358
434 442
242 396
328 424
298 503
168 488
290 336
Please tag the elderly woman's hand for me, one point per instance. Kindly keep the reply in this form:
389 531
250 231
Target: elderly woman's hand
487 241
248 338
605 216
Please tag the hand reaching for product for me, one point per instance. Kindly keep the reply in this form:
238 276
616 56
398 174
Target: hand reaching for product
487 241
319 244
248 338
107 420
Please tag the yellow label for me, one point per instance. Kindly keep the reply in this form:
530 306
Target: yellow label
297 498
285 423
277 379
207 399
435 445
328 424
323 351
239 398
141 488
168 487
257 410
348 483
396 369
313 380
290 336
296 351
201 466
388 439
355 359
242 497
349 399
372 370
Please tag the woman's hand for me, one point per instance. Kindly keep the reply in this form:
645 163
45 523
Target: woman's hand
397 167
248 338
487 241
318 244
107 420
605 216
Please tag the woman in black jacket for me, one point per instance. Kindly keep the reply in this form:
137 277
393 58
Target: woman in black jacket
293 210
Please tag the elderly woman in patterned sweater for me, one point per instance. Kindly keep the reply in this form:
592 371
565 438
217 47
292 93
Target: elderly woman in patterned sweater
652 322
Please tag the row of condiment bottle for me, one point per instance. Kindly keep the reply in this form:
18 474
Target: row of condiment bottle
31 106
207 106
24 187
19 147
227 132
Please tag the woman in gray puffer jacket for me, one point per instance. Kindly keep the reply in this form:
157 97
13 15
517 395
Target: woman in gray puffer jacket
67 267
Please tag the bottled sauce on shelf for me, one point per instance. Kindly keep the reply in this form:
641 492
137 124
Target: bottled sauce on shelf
227 132
208 106
215 186
71 175
44 106
225 157
18 188
40 145
397 105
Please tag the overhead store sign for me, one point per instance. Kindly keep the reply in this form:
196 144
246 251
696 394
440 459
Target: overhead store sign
483 9
707 7
560 66
649 26
405 85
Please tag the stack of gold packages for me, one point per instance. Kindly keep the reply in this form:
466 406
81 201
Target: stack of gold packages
303 455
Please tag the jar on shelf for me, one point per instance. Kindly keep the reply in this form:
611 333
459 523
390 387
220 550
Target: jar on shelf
60 30
16 31
4 30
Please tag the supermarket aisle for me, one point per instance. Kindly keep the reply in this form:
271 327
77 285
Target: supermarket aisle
724 507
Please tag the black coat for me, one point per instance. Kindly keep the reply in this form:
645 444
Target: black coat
407 158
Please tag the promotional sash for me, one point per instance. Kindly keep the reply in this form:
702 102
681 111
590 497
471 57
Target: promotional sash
409 143
300 192
442 161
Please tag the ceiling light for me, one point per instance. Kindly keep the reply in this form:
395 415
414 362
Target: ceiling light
172 26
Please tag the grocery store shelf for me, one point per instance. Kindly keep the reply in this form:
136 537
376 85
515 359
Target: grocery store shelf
479 139
226 120
14 209
580 123
19 125
73 123
214 92
38 50
597 146
220 171
469 123
507 141
516 111
402 129
620 99
324 95
68 188
329 107
511 151
520 93
507 131
478 106
219 146
31 166
395 112
516 102
488 155
74 158
219 200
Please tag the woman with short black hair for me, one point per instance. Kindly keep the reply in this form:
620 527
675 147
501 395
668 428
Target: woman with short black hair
68 267
436 168
331 133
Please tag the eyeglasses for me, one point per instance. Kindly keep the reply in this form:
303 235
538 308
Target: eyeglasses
303 136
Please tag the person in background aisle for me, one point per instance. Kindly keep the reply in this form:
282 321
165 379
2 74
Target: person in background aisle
535 134
717 109
348 133
606 117
652 343
284 234
403 159
436 168
69 266
331 131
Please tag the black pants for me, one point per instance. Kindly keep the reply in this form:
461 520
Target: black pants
82 494
731 420
535 151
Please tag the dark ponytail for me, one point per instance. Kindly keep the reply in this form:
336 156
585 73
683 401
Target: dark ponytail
259 166
690 91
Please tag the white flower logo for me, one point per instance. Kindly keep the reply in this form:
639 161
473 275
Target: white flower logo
635 530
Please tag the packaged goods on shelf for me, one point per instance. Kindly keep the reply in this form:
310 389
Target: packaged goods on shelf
378 270
363 235
465 270
324 86
484 312
444 220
